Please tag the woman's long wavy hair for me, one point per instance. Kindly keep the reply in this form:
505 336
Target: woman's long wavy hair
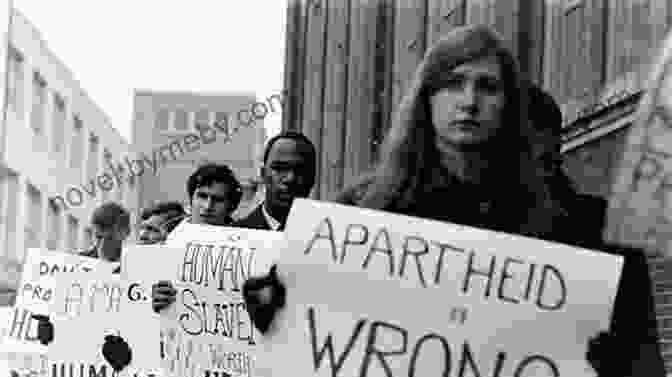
410 158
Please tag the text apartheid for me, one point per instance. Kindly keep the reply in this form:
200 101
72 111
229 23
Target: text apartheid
224 266
199 317
413 257
459 360
94 297
88 370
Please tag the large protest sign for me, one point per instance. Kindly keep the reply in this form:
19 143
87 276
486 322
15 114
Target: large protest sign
376 294
207 332
640 208
38 281
86 308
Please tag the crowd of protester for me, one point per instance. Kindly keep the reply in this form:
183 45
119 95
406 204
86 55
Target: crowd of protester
470 133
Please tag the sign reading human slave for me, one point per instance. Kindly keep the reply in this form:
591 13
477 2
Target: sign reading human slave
376 294
207 331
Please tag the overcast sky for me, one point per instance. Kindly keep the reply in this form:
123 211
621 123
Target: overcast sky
113 47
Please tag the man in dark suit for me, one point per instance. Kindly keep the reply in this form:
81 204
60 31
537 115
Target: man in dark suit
288 172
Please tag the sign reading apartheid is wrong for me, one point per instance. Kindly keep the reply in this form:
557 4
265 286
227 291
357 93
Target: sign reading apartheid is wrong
376 294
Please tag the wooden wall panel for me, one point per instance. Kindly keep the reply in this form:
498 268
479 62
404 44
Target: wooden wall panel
409 44
313 86
335 93
361 99
574 52
553 67
616 37
443 16
294 64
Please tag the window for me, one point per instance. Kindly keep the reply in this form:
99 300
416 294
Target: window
58 125
73 228
34 217
39 102
107 158
120 194
202 117
92 167
11 251
54 232
162 120
88 238
76 143
181 120
222 119
15 84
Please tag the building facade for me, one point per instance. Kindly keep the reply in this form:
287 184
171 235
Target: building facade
55 144
162 123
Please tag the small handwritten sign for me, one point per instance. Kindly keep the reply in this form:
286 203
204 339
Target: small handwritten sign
207 332
86 308
376 294
36 291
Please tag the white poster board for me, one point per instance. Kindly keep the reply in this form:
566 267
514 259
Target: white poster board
376 294
86 308
38 282
207 264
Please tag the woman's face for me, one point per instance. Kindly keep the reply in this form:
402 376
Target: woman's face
468 109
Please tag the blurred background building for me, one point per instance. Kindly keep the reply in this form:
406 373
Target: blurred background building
163 118
54 138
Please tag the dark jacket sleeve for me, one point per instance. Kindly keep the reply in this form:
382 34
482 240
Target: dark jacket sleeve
634 317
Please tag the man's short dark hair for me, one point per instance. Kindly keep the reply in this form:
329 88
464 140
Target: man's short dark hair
110 214
161 209
210 173
292 135
172 212
543 110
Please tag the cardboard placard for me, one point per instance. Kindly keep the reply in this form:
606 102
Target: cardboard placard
371 293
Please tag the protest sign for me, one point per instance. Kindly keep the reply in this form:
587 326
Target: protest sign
207 332
640 206
18 359
36 290
86 308
376 294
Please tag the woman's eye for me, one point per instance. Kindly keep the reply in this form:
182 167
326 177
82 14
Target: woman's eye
489 85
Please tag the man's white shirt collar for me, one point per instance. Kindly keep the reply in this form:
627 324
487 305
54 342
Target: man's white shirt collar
273 223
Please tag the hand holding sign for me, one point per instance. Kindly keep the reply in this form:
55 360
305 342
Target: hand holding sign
163 294
264 296
117 352
45 329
